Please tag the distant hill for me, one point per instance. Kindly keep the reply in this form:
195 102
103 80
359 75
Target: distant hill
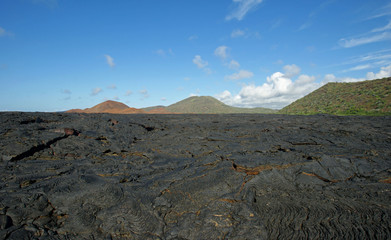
200 105
109 107
207 104
359 98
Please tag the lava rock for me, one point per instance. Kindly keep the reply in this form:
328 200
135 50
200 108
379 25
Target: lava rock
233 176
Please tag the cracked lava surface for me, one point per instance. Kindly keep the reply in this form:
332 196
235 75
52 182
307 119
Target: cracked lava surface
103 176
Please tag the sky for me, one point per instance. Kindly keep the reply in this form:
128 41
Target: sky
57 55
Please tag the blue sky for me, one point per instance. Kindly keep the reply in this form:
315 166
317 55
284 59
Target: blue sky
61 54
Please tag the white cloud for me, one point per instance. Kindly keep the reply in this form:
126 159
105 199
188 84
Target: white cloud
224 96
233 64
197 60
112 86
358 68
110 60
291 70
331 78
384 72
370 60
280 90
277 92
237 33
375 35
128 93
244 6
164 53
383 11
186 78
242 74
353 42
116 98
221 52
96 91
382 29
163 99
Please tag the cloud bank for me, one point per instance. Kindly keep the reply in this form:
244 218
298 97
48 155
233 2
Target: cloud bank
281 89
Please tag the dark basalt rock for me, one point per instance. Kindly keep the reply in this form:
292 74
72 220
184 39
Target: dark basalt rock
102 176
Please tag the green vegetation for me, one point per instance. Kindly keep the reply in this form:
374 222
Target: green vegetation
207 104
359 98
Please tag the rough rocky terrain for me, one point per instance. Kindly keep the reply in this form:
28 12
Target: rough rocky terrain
102 176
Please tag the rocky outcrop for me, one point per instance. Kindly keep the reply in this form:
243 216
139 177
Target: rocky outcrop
103 176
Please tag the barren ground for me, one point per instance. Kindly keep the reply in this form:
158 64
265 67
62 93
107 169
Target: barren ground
103 176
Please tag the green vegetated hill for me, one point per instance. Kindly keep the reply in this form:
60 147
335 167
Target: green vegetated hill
207 104
359 98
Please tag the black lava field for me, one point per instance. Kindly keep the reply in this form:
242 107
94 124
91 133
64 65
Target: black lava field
243 176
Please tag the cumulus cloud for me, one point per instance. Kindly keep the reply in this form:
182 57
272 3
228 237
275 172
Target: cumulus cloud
110 60
279 90
96 91
291 70
244 6
233 64
242 74
197 60
237 33
221 52
384 72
